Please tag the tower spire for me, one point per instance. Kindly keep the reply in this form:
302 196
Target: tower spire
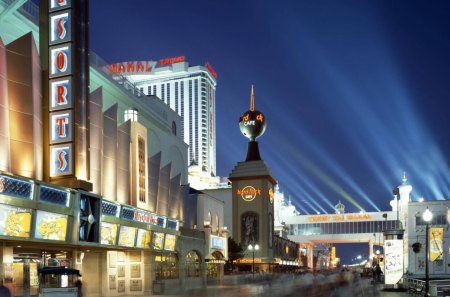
404 179
252 100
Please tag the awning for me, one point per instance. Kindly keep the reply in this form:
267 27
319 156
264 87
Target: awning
61 270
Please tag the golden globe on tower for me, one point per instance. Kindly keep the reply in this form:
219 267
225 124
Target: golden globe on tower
252 125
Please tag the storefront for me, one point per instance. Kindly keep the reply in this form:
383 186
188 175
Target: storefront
118 249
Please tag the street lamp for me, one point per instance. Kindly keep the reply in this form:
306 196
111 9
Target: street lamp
427 216
253 248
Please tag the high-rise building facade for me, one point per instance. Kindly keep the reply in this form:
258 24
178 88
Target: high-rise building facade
189 90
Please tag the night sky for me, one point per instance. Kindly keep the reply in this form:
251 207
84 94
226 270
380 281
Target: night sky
354 92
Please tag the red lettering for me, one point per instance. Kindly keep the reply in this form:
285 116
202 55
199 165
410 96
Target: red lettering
112 69
61 128
169 61
61 61
62 160
61 28
148 68
61 94
139 67
130 67
211 70
121 68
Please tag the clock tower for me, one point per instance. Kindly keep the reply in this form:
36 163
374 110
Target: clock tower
253 192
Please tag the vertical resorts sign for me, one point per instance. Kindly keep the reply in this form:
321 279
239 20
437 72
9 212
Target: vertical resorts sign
61 99
64 54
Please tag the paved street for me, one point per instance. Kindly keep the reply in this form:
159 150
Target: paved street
333 285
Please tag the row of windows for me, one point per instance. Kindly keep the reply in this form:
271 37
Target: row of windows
195 118
343 227
438 219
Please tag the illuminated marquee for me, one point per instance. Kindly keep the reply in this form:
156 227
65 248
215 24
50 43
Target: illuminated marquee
271 195
61 94
340 217
136 67
61 120
170 61
248 193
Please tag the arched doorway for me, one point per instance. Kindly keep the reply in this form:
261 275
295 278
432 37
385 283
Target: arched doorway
215 267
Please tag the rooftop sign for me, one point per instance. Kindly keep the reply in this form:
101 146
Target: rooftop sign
172 60
340 217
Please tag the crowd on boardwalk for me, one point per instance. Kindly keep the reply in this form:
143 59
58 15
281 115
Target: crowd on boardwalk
326 284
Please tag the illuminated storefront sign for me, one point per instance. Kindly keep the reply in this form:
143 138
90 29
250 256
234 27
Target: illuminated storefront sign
217 242
61 119
60 160
108 233
157 240
61 93
340 217
170 61
127 236
60 128
50 226
169 243
60 29
15 221
135 67
143 239
248 193
436 236
211 70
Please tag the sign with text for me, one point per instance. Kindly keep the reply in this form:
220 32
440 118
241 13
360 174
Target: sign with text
393 252
340 217
436 236
248 193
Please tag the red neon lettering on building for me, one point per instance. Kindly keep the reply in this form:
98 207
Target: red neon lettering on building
62 160
139 67
61 28
121 68
169 61
61 61
211 70
148 68
61 1
112 69
61 94
61 126
130 67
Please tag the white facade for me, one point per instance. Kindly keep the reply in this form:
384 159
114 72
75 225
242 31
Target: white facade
191 92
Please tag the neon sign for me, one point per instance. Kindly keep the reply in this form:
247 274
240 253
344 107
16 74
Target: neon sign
271 195
248 193
136 67
170 61
61 120
211 70
340 217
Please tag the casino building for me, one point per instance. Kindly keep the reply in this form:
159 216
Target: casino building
105 196
189 90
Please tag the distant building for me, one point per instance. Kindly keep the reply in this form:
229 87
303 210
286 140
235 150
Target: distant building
190 91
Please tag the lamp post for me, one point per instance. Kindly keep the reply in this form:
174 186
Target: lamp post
427 216
253 248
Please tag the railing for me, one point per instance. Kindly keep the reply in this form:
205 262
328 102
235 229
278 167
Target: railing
29 9
436 287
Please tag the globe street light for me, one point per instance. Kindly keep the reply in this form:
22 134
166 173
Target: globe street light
427 216
253 248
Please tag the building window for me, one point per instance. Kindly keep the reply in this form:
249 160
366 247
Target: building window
141 157
149 90
174 128
182 109
162 92
196 119
168 94
191 116
167 266
154 90
192 264
176 98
